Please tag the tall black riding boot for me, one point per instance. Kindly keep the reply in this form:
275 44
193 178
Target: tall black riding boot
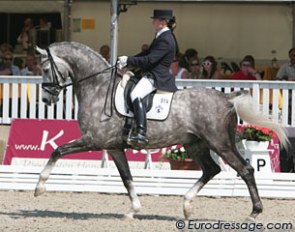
137 137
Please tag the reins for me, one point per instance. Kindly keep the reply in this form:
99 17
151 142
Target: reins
111 87
92 75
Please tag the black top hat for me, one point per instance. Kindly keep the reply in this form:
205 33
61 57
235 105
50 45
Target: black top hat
162 14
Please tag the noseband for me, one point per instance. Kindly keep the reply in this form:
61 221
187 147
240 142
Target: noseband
53 87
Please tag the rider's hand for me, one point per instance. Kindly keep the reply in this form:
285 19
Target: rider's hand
122 61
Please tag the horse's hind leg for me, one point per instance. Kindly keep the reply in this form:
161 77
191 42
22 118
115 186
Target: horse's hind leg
78 145
246 171
201 154
121 162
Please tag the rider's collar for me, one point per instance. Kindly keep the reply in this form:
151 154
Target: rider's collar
161 31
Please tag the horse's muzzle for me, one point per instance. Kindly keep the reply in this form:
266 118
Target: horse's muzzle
49 99
46 101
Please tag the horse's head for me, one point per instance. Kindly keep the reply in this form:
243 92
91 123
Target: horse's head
55 71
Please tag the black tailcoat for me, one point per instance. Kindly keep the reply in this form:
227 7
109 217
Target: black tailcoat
157 60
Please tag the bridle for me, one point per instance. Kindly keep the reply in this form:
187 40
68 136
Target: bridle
54 87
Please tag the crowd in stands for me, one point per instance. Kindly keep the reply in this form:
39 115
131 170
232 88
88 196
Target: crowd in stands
190 66
17 66
185 66
20 59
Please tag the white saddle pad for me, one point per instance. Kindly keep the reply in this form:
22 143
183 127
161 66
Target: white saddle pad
159 110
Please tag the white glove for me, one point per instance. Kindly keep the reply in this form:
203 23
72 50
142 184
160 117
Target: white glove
122 61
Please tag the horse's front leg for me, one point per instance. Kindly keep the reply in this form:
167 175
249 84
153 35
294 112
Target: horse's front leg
78 145
121 162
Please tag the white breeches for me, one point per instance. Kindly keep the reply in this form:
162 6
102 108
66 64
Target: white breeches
144 87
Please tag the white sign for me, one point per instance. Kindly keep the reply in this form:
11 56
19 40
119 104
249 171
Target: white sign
259 160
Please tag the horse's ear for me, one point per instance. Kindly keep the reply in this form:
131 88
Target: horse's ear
41 51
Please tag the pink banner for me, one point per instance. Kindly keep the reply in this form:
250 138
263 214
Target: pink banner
30 138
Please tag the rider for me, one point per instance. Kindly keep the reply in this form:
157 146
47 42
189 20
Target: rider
155 65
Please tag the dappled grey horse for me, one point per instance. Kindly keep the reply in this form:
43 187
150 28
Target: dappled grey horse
200 119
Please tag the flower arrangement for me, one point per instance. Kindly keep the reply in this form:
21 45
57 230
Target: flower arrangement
255 133
179 159
176 154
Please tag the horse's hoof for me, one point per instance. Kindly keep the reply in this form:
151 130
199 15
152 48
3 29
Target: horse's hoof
39 191
128 217
187 209
187 214
136 207
254 214
250 219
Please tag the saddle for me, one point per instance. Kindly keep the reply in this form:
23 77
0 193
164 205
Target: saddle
147 101
157 103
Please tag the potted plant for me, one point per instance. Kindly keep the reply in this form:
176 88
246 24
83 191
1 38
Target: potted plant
179 159
255 137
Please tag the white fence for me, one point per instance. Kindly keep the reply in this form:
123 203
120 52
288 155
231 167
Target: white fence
165 182
20 97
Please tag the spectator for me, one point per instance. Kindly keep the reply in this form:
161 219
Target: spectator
247 70
210 70
287 71
31 68
45 33
19 62
7 68
184 60
105 52
5 47
43 23
194 68
27 36
177 71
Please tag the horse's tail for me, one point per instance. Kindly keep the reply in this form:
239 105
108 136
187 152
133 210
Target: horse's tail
245 107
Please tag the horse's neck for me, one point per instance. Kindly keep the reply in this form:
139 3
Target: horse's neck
91 88
85 64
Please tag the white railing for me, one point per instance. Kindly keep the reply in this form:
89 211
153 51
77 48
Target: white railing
20 97
160 182
274 98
